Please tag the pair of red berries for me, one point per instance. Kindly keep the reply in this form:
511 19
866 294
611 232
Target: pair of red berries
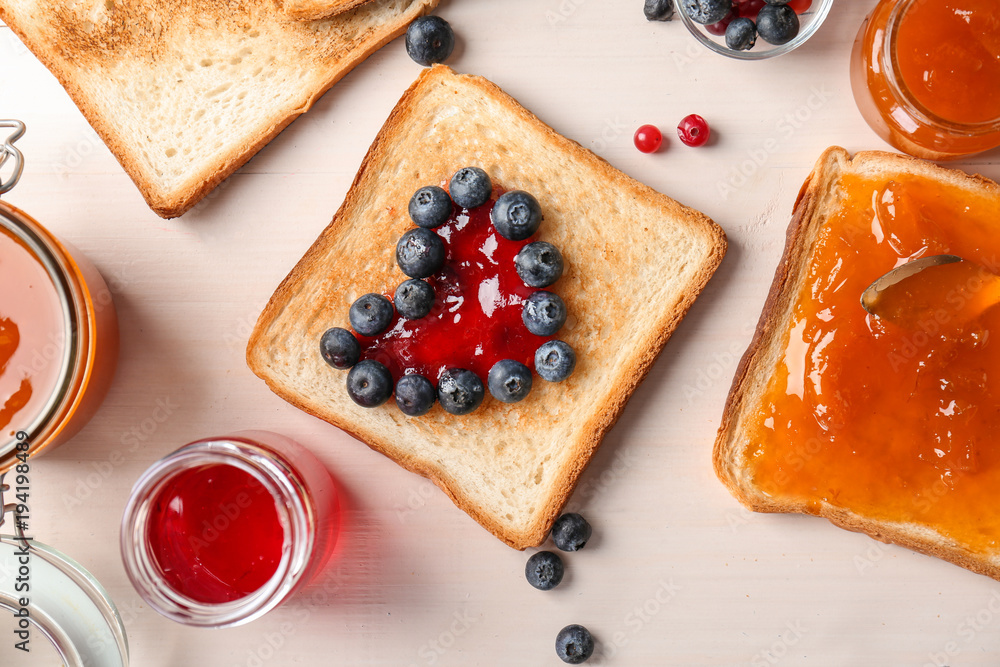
692 130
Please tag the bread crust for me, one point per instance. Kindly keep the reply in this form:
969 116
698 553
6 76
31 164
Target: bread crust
133 33
435 88
314 10
818 198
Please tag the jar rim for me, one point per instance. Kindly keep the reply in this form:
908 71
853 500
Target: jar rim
43 246
295 514
901 91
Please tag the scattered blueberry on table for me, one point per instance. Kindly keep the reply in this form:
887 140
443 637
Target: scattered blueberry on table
429 40
574 644
570 532
544 570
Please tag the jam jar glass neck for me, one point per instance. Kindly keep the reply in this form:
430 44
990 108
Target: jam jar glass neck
295 514
890 66
41 246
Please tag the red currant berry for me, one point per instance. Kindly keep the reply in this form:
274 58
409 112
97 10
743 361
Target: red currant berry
799 6
749 8
648 138
693 130
719 28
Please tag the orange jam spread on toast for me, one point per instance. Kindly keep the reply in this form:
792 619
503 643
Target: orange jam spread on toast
895 418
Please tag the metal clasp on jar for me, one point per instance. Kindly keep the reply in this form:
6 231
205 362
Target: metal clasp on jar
8 152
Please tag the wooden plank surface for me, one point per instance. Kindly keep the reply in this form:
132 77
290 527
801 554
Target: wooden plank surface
677 573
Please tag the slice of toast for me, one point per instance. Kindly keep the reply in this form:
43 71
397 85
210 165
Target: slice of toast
185 92
635 261
851 453
312 10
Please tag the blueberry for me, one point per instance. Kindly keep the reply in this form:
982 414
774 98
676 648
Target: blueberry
544 313
741 34
371 314
659 10
430 207
777 2
706 11
570 532
554 361
415 395
539 264
509 381
420 253
544 570
574 644
414 298
369 383
516 215
429 40
339 348
460 391
470 187
777 24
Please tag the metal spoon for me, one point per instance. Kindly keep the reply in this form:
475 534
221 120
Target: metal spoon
870 297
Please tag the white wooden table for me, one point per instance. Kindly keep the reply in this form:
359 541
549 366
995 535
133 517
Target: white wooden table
677 573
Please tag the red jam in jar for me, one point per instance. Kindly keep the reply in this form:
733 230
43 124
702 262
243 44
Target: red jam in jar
225 529
215 533
476 320
926 75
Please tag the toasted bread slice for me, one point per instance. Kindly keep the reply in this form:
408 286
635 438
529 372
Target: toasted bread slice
184 93
635 261
312 10
903 509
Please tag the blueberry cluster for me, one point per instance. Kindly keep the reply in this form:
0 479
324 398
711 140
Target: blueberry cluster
544 570
776 22
420 253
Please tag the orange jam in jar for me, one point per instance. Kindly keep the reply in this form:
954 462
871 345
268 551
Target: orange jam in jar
893 417
926 75
58 338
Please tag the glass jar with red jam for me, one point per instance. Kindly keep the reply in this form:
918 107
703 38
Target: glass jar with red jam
58 330
926 76
225 529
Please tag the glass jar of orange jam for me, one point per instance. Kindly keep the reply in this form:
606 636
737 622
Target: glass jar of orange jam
926 75
58 333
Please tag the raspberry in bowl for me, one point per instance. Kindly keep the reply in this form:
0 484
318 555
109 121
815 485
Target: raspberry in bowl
753 29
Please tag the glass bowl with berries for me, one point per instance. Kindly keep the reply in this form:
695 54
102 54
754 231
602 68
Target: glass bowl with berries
753 29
